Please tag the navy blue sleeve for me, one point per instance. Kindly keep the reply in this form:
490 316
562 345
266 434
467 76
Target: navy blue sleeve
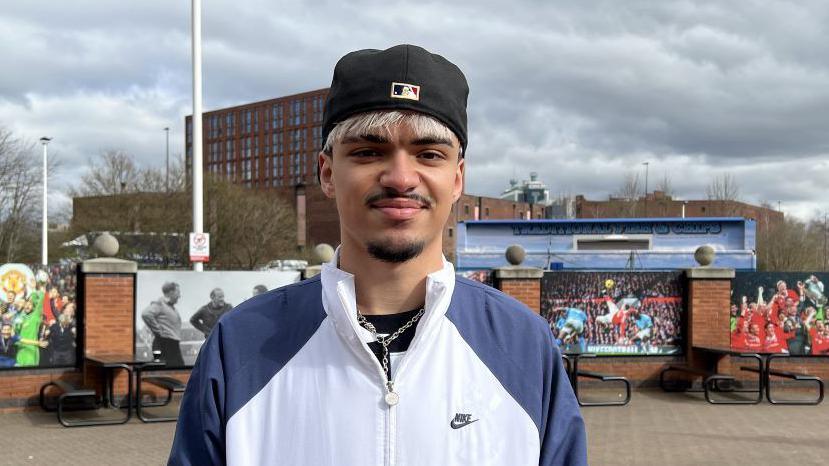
517 345
200 432
563 439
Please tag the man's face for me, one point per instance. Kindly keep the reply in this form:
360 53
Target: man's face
781 287
7 331
218 298
174 295
393 191
819 325
754 329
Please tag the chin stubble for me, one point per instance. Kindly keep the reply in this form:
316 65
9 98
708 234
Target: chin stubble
395 254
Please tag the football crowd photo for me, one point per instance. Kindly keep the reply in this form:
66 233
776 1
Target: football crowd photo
779 313
615 312
38 315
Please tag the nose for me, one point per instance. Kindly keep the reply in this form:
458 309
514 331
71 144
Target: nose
400 173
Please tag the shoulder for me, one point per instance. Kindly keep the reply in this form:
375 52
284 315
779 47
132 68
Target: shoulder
276 323
256 339
498 326
280 305
478 301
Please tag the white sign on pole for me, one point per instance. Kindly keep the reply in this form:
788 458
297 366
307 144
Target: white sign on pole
199 247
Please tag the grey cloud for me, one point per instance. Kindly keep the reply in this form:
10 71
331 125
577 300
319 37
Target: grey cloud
580 92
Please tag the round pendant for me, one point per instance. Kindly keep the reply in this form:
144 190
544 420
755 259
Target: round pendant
392 398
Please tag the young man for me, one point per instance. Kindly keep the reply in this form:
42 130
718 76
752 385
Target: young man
386 357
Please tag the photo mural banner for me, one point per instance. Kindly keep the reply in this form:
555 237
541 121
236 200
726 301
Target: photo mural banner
779 312
624 313
38 312
176 310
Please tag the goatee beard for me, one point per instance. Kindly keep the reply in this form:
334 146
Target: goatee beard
394 253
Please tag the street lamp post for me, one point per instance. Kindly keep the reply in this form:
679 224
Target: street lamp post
198 218
167 150
44 246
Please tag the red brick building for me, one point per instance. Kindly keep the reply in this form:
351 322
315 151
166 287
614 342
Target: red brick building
658 204
272 143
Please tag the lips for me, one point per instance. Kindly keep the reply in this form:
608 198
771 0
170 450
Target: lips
398 209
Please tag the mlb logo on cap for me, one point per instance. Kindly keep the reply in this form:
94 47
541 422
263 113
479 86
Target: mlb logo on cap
405 91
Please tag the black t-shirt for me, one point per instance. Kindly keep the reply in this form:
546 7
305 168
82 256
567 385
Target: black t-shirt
388 324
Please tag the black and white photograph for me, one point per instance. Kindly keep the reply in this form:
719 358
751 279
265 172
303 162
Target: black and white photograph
176 310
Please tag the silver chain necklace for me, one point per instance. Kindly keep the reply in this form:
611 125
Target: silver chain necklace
391 396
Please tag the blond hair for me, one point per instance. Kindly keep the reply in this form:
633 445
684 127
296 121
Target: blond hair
379 122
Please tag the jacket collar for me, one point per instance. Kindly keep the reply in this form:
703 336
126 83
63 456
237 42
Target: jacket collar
339 300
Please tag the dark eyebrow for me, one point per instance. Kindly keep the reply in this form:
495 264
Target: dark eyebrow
430 141
377 139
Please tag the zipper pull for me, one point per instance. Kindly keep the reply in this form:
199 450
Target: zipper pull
392 398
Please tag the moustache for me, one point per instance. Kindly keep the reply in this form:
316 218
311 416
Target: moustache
389 193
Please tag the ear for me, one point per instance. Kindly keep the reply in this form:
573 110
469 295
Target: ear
458 188
326 174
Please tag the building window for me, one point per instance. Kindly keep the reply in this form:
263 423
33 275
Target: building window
276 116
466 209
486 212
450 232
298 112
317 138
229 150
229 124
318 108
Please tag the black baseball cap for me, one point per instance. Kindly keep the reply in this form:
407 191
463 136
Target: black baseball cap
404 77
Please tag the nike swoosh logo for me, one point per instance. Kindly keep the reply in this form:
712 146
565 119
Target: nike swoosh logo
458 425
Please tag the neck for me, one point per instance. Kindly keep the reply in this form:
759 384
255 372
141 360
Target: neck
386 288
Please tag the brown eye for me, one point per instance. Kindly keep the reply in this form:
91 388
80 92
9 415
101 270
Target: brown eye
365 153
431 155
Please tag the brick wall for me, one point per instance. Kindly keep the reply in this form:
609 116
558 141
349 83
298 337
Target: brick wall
526 290
19 389
708 312
108 304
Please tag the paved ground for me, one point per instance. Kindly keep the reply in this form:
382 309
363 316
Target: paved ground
654 429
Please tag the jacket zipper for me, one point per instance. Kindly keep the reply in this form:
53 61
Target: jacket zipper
391 418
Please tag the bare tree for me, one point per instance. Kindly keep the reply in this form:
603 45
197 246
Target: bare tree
722 193
723 187
631 188
791 246
20 179
115 171
628 193
665 185
247 227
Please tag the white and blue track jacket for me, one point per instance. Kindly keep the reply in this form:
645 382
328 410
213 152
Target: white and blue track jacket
287 378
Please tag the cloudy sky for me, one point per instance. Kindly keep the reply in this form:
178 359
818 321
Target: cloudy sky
581 92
